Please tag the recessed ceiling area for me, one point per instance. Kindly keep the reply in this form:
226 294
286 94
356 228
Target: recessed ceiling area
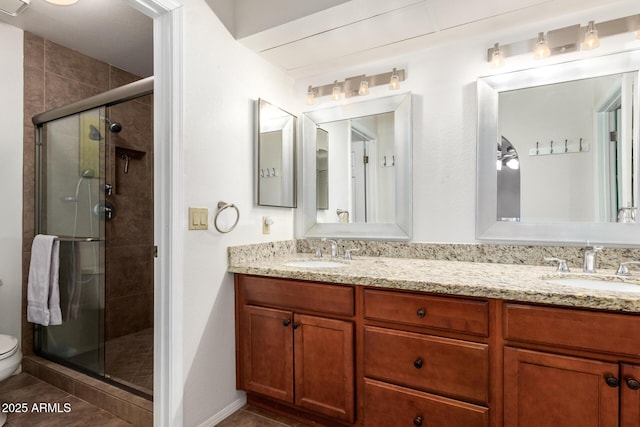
108 30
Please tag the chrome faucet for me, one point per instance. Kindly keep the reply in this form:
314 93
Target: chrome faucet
589 264
334 247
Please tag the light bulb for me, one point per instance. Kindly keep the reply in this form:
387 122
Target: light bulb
310 96
394 81
542 48
497 58
591 40
513 163
62 2
335 93
364 88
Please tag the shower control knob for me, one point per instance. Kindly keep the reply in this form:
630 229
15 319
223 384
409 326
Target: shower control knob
108 189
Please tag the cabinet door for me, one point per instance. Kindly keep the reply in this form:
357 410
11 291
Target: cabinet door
630 396
543 389
324 366
268 352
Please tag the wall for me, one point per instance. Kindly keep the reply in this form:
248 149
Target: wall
11 179
221 82
445 113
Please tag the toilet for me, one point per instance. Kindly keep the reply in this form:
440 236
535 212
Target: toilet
10 359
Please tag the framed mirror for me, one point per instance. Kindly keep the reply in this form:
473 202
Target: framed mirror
558 153
276 148
356 170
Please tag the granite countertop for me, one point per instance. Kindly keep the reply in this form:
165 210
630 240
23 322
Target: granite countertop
512 282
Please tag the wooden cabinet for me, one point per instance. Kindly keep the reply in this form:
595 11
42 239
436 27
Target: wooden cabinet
413 376
571 374
303 359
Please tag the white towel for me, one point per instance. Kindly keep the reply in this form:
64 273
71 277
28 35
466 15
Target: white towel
43 293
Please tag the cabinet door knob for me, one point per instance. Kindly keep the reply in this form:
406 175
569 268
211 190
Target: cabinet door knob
633 383
286 322
421 312
417 421
418 363
612 381
295 325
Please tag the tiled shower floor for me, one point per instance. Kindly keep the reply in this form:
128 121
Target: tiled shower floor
129 360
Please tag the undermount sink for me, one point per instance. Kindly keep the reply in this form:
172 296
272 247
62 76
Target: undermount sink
603 285
315 264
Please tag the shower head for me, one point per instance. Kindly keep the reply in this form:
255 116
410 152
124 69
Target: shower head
114 127
88 173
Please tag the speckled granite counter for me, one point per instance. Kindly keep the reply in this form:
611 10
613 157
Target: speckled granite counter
514 282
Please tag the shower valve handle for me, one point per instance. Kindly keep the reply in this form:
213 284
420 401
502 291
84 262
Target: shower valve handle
108 189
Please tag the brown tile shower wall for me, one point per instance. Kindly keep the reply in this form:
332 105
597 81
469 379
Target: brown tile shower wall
55 76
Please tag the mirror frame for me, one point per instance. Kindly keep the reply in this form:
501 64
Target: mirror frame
307 225
488 89
292 174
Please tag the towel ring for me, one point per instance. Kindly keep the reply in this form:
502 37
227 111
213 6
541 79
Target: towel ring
221 207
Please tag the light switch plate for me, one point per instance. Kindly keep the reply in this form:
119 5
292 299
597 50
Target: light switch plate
198 219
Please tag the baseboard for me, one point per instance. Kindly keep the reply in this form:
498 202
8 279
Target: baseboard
227 411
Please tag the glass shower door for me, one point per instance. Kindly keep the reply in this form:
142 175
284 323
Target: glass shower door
70 204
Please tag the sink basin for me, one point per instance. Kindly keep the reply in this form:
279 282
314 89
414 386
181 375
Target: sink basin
315 264
603 285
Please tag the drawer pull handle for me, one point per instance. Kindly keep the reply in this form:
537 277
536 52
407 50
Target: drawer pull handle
418 363
286 322
295 325
612 381
633 383
421 312
417 421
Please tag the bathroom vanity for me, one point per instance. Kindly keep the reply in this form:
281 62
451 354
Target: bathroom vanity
384 341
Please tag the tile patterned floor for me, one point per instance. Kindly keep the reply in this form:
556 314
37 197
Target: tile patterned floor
250 416
27 390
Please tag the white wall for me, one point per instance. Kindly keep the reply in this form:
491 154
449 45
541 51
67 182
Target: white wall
11 53
445 115
221 81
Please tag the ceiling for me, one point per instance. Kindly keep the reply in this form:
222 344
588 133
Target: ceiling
109 30
305 38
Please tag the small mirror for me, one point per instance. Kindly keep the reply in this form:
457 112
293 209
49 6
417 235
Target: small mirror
276 156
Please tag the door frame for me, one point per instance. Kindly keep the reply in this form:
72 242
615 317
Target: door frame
168 196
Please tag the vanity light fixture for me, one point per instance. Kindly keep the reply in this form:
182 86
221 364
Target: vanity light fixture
356 85
565 40
591 40
542 47
335 92
311 97
497 58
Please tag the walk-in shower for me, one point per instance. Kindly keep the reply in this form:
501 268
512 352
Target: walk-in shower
94 191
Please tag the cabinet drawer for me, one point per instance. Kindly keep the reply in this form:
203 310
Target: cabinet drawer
452 314
446 366
571 328
294 295
388 405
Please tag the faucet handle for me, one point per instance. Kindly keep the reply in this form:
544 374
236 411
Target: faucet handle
623 270
562 264
347 253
